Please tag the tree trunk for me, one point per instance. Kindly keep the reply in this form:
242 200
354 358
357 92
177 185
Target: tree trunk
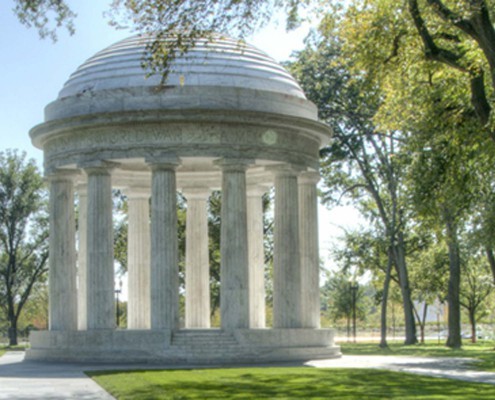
400 258
491 261
454 339
423 322
383 316
12 331
472 321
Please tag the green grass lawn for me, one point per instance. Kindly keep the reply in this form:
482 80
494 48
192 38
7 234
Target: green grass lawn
285 383
483 351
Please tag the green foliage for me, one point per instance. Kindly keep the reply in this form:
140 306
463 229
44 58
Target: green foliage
23 235
337 299
476 286
46 16
284 383
214 228
35 313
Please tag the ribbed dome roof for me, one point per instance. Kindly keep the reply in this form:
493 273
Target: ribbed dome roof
223 62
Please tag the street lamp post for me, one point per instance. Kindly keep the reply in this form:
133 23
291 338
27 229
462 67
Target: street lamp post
117 308
354 288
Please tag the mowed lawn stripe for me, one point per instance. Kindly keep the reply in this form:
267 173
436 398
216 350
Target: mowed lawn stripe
285 383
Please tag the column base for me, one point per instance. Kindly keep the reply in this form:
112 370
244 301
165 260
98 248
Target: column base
187 346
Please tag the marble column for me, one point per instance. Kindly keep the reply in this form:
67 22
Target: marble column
164 247
256 257
286 261
82 221
310 258
234 266
100 256
62 261
138 259
197 260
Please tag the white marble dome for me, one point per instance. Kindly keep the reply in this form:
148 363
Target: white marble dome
222 73
223 62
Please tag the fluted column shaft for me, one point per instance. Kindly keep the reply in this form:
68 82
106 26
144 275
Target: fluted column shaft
286 262
234 267
164 248
310 261
138 259
197 260
62 261
82 222
256 257
100 253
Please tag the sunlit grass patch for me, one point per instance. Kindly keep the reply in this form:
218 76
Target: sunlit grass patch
285 383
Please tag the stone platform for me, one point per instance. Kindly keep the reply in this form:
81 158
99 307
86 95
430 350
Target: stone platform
188 346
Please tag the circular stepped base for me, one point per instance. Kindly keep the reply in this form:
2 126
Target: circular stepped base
202 346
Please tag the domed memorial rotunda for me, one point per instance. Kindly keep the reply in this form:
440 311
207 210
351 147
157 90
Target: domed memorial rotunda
227 118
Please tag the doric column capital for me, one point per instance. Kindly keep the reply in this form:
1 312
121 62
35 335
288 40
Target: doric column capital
98 167
163 162
234 164
285 170
308 178
58 175
196 193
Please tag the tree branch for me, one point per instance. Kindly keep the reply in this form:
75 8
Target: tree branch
448 15
432 51
478 97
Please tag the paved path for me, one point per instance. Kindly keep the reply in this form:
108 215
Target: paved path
23 380
20 380
441 367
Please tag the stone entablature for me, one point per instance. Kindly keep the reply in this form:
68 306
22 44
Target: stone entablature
263 137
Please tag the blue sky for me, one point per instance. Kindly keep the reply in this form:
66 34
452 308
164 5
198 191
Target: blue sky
32 71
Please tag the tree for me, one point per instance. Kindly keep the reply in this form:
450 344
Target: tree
361 163
476 286
368 251
427 102
429 269
23 235
339 302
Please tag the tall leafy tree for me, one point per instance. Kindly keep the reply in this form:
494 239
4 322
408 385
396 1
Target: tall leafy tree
428 102
361 164
23 235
